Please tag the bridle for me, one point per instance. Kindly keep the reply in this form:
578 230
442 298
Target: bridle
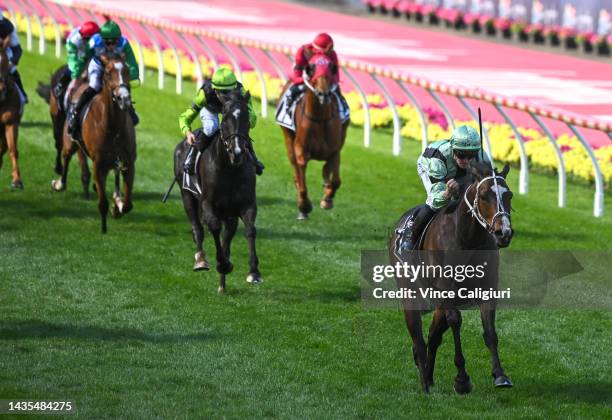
475 209
322 97
234 135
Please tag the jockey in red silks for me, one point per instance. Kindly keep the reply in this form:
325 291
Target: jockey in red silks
322 44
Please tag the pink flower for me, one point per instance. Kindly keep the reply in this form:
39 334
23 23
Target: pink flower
565 148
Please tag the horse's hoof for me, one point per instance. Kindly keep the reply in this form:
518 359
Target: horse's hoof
221 290
17 185
503 382
200 262
327 204
463 387
302 216
254 278
57 185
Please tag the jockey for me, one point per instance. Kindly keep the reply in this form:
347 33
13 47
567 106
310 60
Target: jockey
208 102
322 44
109 40
7 29
439 166
79 53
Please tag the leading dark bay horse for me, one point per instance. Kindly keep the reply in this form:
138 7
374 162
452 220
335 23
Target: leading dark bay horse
227 179
319 134
10 115
478 223
108 138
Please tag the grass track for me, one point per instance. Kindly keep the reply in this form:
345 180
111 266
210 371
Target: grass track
120 324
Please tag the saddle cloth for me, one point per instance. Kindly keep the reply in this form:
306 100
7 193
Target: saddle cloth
286 118
190 182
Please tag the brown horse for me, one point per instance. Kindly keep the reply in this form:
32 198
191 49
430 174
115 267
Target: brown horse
108 138
319 134
10 115
479 221
57 112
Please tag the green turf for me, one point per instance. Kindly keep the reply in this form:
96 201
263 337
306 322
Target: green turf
122 326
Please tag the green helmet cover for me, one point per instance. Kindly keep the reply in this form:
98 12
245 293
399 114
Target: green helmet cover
110 30
224 79
465 138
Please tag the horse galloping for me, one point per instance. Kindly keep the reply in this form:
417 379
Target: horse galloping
10 115
107 137
479 221
57 111
227 179
319 134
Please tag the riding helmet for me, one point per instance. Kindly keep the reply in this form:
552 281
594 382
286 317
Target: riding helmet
224 79
465 138
110 30
323 42
89 29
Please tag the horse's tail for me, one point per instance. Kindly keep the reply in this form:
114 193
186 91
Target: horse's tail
44 91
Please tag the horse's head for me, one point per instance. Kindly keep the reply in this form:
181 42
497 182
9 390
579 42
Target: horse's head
235 126
320 75
5 67
491 205
116 78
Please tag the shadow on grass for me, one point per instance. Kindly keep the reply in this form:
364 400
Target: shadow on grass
34 328
593 393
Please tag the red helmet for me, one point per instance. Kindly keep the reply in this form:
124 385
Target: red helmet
323 42
89 29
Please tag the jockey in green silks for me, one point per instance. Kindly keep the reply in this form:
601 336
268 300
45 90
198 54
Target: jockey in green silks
439 166
208 104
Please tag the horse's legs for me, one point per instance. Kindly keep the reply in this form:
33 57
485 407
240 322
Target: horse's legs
248 218
436 330
3 146
214 225
100 180
304 204
128 186
419 350
12 133
487 315
85 174
190 203
331 179
463 384
58 128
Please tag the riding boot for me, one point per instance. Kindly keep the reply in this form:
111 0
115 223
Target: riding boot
422 218
73 116
294 92
201 143
61 85
259 167
17 79
134 115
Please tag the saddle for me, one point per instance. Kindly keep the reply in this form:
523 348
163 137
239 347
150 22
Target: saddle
284 117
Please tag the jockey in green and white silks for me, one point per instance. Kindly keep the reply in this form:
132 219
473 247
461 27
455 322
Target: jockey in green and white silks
109 40
208 104
440 164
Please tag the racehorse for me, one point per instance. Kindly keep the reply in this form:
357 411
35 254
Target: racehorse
10 115
227 179
107 137
58 118
319 134
480 220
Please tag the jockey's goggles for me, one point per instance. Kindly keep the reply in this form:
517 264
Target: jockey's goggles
463 154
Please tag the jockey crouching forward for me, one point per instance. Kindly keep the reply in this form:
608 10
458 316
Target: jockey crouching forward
208 103
7 29
439 166
79 53
108 41
322 44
